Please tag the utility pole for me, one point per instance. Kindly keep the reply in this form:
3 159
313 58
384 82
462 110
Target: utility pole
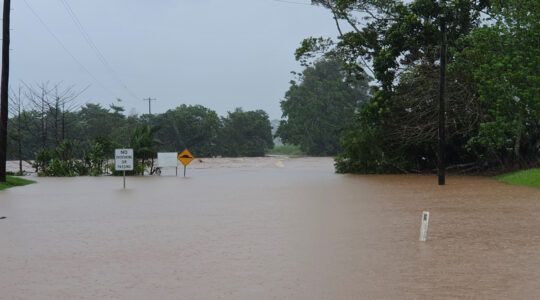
149 104
4 85
442 106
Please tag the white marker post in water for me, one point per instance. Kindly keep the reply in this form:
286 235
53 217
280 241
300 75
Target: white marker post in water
424 227
123 161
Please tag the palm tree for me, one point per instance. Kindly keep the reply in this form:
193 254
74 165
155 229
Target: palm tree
145 144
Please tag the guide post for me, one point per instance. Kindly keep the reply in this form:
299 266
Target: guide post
424 226
123 161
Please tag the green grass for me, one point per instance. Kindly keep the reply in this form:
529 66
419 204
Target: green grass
286 150
14 181
529 177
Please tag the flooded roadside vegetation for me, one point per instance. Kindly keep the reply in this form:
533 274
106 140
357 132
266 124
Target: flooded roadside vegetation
244 174
269 228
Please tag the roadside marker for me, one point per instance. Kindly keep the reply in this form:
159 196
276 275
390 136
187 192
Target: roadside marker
424 227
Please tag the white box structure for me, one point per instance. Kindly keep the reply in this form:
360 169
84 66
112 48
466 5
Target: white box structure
167 159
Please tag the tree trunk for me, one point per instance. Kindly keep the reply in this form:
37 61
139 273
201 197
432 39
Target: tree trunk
63 122
20 135
43 124
56 109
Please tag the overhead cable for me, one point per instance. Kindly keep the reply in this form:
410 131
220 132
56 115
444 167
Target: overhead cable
95 49
66 49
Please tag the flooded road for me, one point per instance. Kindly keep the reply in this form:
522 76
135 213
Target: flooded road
269 228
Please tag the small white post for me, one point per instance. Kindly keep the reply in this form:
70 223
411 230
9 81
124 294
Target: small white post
424 227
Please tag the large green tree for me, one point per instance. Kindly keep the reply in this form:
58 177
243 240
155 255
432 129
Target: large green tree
503 59
246 133
195 127
98 121
318 106
492 84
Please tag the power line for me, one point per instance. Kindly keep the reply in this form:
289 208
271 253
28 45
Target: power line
93 46
65 49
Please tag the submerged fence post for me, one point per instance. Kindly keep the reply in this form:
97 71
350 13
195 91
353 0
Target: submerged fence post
424 227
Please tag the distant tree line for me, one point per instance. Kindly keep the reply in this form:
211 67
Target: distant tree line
47 126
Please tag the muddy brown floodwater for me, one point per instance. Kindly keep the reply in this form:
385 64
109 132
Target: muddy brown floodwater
272 228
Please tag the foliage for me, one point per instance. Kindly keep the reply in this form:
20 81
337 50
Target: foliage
492 82
63 168
504 60
106 144
13 181
529 177
98 121
246 134
145 145
95 160
319 106
43 157
361 150
59 139
29 136
66 150
194 127
58 162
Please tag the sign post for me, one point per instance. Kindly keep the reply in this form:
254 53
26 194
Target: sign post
123 161
185 158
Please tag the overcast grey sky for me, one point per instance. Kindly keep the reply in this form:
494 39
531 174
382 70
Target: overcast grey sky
220 54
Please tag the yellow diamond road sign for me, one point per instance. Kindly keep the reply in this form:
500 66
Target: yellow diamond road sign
185 157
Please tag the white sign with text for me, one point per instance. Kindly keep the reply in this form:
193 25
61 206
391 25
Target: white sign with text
123 159
167 159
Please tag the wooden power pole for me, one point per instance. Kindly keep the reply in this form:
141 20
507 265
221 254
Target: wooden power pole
150 104
4 86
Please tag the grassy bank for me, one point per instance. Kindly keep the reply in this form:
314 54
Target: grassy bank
529 177
14 181
286 150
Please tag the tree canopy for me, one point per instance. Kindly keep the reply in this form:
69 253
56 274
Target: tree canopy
194 127
318 106
492 83
246 133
